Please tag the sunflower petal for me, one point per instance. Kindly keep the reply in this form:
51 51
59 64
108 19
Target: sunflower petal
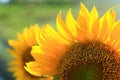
95 29
106 25
60 26
36 69
93 21
115 34
83 11
36 72
71 24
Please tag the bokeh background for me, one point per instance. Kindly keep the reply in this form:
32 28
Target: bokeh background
17 14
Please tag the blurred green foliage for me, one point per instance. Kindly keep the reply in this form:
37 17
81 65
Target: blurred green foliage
14 17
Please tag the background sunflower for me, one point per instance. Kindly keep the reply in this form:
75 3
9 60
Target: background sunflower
17 14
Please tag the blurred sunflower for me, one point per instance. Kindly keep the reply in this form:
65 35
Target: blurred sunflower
83 49
20 50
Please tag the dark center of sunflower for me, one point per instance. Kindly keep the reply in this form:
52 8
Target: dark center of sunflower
89 60
27 56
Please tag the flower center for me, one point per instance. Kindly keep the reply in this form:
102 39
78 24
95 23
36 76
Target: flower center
89 60
27 56
87 72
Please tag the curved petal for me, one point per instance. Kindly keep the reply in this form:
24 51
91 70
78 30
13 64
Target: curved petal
83 11
93 21
61 27
36 69
106 25
115 34
71 25
95 29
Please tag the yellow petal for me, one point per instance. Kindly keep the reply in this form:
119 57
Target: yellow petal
82 28
106 25
36 73
36 69
83 11
49 31
93 17
94 14
26 37
60 26
110 17
36 49
115 34
15 44
95 29
71 24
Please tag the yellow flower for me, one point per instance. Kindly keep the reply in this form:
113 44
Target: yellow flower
83 49
20 50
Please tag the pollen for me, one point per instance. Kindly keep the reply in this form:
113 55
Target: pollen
89 60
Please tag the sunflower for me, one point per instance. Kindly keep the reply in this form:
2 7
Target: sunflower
20 50
83 49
